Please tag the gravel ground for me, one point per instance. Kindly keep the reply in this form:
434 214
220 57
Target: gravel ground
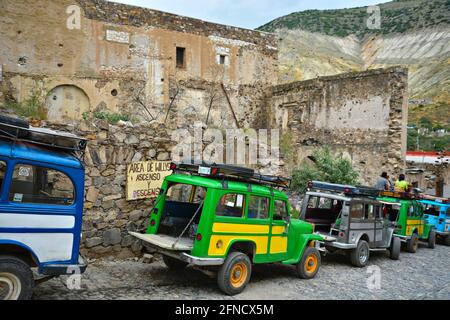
424 275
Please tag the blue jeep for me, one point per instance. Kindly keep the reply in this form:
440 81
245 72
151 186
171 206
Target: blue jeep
41 206
437 213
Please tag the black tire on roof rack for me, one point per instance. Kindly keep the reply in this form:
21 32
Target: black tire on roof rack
14 122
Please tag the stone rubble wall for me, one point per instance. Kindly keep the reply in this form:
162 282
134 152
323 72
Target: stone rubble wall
108 216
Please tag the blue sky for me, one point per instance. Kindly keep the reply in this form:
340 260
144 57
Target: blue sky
244 13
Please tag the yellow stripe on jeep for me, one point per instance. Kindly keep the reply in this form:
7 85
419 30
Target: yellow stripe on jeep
278 229
410 228
278 244
219 244
240 228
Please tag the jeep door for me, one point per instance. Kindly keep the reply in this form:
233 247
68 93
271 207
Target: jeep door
278 241
362 222
236 222
415 221
40 209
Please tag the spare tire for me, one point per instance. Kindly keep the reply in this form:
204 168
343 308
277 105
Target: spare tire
6 129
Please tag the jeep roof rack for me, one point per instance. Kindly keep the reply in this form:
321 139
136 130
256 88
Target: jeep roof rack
435 199
399 195
235 173
18 130
348 190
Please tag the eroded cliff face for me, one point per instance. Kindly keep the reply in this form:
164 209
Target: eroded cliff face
304 55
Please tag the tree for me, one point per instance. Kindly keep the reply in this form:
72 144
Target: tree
327 167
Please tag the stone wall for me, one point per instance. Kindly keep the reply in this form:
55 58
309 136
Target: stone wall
361 115
108 216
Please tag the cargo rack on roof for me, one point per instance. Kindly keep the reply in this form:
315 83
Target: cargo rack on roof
233 173
435 199
400 195
342 188
20 131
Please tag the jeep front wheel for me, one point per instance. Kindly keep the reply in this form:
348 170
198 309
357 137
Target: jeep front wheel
432 240
309 264
413 243
394 250
16 279
359 256
235 273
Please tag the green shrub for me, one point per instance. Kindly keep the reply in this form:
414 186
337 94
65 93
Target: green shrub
31 107
327 167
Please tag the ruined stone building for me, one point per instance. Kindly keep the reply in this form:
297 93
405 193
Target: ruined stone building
360 115
77 59
85 56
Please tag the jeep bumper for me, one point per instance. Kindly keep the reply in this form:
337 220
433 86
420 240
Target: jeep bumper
196 261
340 245
64 269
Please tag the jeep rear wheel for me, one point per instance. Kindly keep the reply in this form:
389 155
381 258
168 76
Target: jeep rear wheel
174 264
235 273
394 250
16 279
432 240
309 264
413 243
359 256
447 240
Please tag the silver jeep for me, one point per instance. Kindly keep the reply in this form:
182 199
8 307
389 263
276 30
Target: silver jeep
350 218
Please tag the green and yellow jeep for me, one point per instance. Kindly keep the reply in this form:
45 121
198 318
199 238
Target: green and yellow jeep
407 213
226 218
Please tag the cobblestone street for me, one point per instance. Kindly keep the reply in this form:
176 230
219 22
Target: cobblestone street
424 275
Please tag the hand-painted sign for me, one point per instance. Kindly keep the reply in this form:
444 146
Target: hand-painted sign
145 178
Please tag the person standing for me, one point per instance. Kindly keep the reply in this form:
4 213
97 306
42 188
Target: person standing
383 182
401 185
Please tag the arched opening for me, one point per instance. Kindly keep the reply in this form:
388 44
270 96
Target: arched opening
66 102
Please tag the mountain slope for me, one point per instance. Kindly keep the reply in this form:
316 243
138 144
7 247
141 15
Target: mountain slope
396 17
415 34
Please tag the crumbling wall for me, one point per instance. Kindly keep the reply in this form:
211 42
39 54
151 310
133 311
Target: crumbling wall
124 60
361 115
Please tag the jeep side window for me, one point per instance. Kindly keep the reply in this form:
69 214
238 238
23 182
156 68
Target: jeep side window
31 184
378 212
432 210
231 205
258 207
280 210
185 193
356 211
411 212
2 173
369 211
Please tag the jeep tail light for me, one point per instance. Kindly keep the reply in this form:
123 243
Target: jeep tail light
214 171
346 190
310 185
199 237
341 234
152 223
173 166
